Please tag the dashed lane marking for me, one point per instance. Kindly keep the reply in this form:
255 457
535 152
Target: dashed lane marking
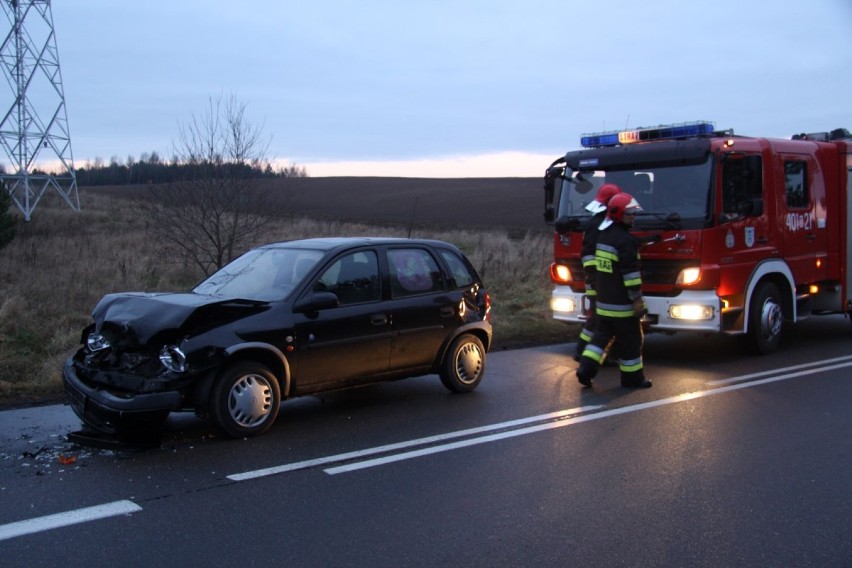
67 518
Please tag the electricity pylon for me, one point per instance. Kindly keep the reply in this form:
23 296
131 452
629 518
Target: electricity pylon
34 131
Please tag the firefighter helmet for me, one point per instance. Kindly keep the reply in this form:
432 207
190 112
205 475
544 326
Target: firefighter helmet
617 207
605 193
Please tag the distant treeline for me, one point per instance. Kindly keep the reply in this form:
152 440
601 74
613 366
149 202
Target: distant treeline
150 168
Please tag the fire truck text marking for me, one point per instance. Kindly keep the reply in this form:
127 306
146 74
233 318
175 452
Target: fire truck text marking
799 222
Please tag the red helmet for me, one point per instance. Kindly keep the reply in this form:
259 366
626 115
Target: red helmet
605 193
619 205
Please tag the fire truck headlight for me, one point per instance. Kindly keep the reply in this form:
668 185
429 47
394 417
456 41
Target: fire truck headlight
562 305
560 273
691 312
688 276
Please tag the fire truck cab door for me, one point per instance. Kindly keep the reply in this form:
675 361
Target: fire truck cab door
801 215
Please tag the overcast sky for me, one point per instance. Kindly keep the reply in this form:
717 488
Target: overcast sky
447 88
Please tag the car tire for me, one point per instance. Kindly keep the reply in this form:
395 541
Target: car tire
464 364
766 319
245 400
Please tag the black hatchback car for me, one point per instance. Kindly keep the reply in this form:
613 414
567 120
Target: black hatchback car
283 320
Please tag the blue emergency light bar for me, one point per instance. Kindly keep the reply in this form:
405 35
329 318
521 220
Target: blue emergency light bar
647 134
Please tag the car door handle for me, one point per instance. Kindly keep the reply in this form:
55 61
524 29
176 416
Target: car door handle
448 311
379 319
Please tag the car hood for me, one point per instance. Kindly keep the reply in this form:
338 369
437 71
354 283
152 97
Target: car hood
144 315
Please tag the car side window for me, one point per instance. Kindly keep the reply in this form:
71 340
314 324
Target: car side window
413 271
353 278
460 271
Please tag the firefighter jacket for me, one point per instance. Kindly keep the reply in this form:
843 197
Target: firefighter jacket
587 253
618 280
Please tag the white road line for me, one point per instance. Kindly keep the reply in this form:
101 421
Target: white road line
776 371
408 444
569 422
67 518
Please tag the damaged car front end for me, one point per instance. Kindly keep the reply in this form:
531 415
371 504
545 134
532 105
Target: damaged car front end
141 359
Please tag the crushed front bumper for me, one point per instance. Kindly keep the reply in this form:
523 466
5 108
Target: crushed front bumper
122 415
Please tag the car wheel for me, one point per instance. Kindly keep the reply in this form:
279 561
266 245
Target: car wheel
766 318
464 364
245 400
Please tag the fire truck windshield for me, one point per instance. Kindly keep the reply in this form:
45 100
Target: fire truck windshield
670 196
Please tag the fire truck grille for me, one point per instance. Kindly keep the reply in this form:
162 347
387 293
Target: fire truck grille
663 272
654 272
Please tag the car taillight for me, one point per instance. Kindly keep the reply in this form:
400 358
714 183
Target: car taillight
560 273
487 306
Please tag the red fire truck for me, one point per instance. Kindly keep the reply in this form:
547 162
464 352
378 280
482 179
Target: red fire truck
741 234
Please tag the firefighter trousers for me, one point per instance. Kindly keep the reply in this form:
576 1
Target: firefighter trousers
628 338
588 330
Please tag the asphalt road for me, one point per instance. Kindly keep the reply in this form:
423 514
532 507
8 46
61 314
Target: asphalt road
730 460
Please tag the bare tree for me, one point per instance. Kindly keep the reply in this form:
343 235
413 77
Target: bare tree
217 212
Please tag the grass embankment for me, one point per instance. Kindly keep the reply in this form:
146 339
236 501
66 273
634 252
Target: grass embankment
62 262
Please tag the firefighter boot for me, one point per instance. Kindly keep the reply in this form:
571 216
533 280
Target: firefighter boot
635 381
586 371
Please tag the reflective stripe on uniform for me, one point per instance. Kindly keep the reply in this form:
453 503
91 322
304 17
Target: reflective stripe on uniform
586 334
606 251
614 310
594 353
588 260
632 279
631 365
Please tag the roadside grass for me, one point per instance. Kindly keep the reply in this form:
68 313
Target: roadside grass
62 262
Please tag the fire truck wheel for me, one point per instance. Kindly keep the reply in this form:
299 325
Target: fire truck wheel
766 318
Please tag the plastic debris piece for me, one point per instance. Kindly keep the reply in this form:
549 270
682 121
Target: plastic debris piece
67 460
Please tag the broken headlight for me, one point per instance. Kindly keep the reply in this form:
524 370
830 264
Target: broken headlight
173 358
97 342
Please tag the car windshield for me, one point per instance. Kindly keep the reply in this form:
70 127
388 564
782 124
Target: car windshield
264 275
671 196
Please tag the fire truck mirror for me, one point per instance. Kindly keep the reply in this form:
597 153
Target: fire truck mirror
552 189
584 186
549 213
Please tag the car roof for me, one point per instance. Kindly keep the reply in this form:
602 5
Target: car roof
330 243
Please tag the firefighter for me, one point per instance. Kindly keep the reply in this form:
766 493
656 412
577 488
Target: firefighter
590 236
619 304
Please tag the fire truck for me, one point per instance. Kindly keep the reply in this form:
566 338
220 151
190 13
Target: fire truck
738 234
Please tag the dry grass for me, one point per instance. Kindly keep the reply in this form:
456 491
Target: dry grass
62 262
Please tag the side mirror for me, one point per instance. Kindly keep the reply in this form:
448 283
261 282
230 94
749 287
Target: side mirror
315 302
551 192
549 213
